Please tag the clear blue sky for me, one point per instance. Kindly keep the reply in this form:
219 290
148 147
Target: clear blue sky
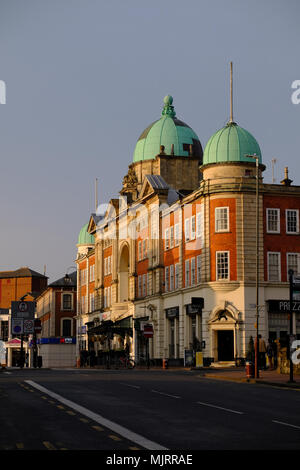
85 77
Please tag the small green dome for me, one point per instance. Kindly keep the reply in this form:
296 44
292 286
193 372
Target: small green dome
231 144
85 238
166 131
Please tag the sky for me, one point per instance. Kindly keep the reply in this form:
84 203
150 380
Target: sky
84 78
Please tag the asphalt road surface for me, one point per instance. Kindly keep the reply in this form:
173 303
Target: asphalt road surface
140 409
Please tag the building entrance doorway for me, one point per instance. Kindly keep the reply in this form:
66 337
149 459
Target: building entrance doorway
225 345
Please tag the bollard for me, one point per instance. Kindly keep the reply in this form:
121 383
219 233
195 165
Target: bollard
249 370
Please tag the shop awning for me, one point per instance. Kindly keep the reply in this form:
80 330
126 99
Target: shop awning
108 327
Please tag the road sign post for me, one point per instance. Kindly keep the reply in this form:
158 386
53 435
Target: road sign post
22 321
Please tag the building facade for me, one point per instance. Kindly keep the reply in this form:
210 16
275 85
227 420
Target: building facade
56 309
23 283
178 250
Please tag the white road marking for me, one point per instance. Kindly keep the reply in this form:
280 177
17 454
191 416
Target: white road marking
220 408
285 424
132 436
165 394
129 385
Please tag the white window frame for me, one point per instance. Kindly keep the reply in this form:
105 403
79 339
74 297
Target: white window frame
167 240
176 235
198 224
297 221
193 271
62 302
171 237
198 269
167 280
172 277
145 248
144 285
187 273
218 278
187 230
221 219
279 265
176 278
193 227
289 267
278 219
139 286
92 301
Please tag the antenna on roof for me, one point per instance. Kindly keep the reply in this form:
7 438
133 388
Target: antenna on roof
273 165
231 95
96 194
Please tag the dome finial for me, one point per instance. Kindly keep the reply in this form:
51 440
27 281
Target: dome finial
168 109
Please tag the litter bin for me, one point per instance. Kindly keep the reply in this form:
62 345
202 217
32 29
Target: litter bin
165 363
249 370
39 361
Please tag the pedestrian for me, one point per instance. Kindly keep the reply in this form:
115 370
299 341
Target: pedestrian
275 352
262 353
270 354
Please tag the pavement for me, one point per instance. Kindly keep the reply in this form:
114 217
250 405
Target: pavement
266 377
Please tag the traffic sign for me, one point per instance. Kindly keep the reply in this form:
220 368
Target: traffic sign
148 330
22 309
28 326
17 326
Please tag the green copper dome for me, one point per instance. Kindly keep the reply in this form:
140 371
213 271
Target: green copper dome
166 131
85 238
231 144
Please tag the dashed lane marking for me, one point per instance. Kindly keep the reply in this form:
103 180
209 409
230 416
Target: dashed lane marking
118 429
165 394
129 385
220 408
286 424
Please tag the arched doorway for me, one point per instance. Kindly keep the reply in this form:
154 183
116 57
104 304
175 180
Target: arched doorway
124 274
224 334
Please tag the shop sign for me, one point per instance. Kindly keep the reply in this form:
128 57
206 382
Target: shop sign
283 306
193 309
172 312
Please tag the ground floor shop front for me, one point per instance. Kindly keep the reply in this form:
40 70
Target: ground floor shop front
217 319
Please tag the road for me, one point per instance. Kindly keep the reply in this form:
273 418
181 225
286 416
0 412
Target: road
136 410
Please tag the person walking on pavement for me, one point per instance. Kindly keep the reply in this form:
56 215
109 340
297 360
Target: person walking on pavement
262 353
270 354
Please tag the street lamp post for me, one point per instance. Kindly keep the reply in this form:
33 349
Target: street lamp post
257 264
